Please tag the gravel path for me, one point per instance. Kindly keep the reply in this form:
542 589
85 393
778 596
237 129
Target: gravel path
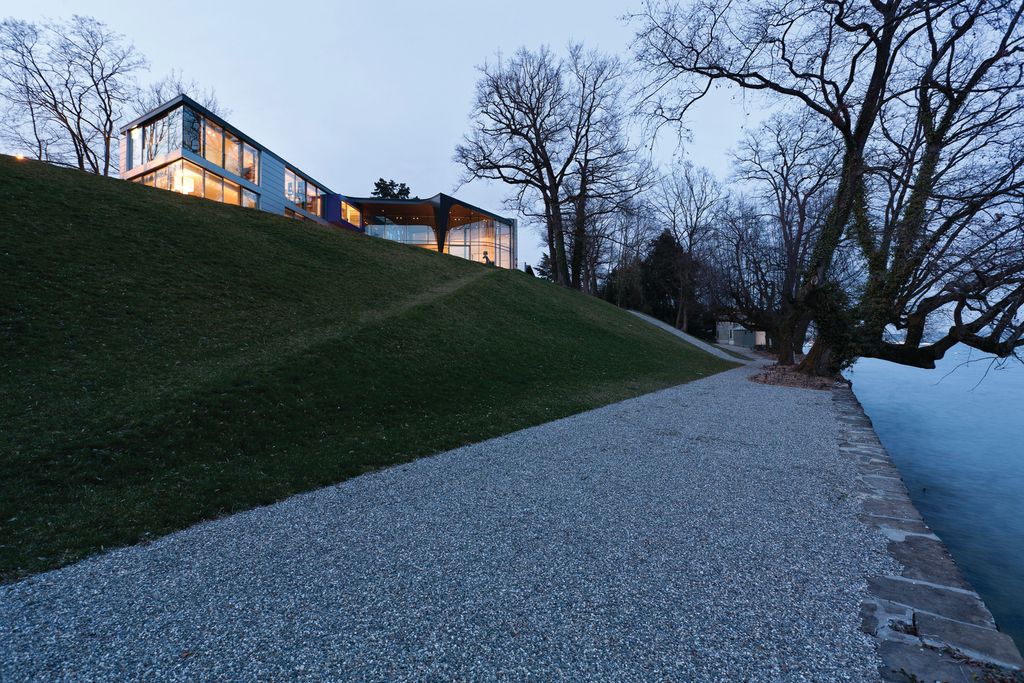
703 532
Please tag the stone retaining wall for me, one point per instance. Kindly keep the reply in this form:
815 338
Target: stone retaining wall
929 622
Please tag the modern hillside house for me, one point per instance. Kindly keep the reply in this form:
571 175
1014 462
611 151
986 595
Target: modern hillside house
183 147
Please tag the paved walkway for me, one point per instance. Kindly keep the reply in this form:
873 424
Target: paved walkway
704 532
689 338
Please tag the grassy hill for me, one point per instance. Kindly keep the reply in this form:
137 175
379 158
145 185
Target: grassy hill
165 359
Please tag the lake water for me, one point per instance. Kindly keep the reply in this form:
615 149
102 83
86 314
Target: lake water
959 445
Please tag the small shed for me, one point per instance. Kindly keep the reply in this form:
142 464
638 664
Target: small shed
729 333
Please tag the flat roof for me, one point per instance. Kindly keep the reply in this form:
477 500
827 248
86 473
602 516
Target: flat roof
436 199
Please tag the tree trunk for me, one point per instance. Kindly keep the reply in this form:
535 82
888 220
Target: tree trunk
680 310
800 335
818 361
784 342
579 238
558 259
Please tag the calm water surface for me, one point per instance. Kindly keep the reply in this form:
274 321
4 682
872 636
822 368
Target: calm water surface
960 448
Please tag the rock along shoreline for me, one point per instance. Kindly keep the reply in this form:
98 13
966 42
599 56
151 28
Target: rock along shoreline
930 623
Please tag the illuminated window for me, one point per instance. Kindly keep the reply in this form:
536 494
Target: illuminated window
473 234
291 187
312 199
188 178
192 180
232 154
250 163
162 179
213 188
301 192
350 214
213 143
232 193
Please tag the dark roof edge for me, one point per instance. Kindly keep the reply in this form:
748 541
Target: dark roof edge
436 199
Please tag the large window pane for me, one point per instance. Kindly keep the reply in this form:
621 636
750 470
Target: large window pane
162 180
135 145
249 199
232 192
504 244
174 177
213 188
232 154
213 143
290 186
192 180
312 199
192 129
350 214
172 142
250 164
152 141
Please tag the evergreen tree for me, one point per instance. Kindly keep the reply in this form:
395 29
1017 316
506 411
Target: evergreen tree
390 189
544 268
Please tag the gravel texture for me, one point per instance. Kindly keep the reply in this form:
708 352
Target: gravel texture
704 532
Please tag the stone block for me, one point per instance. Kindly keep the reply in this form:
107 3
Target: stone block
926 559
984 644
952 604
904 662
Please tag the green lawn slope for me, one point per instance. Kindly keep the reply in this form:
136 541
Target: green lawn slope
165 359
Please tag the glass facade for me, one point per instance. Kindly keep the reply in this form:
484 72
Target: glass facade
471 234
213 143
478 237
188 178
411 223
250 163
351 214
232 154
417 235
136 148
183 128
155 139
192 138
302 192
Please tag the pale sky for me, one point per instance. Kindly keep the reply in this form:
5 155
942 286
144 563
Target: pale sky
349 92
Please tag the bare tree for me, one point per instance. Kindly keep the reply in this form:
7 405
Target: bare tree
167 88
67 86
944 68
626 239
788 164
608 173
548 126
686 202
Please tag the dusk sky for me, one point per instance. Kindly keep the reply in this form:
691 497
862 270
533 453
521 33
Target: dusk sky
349 92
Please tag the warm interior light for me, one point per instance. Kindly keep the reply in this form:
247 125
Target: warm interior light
188 185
